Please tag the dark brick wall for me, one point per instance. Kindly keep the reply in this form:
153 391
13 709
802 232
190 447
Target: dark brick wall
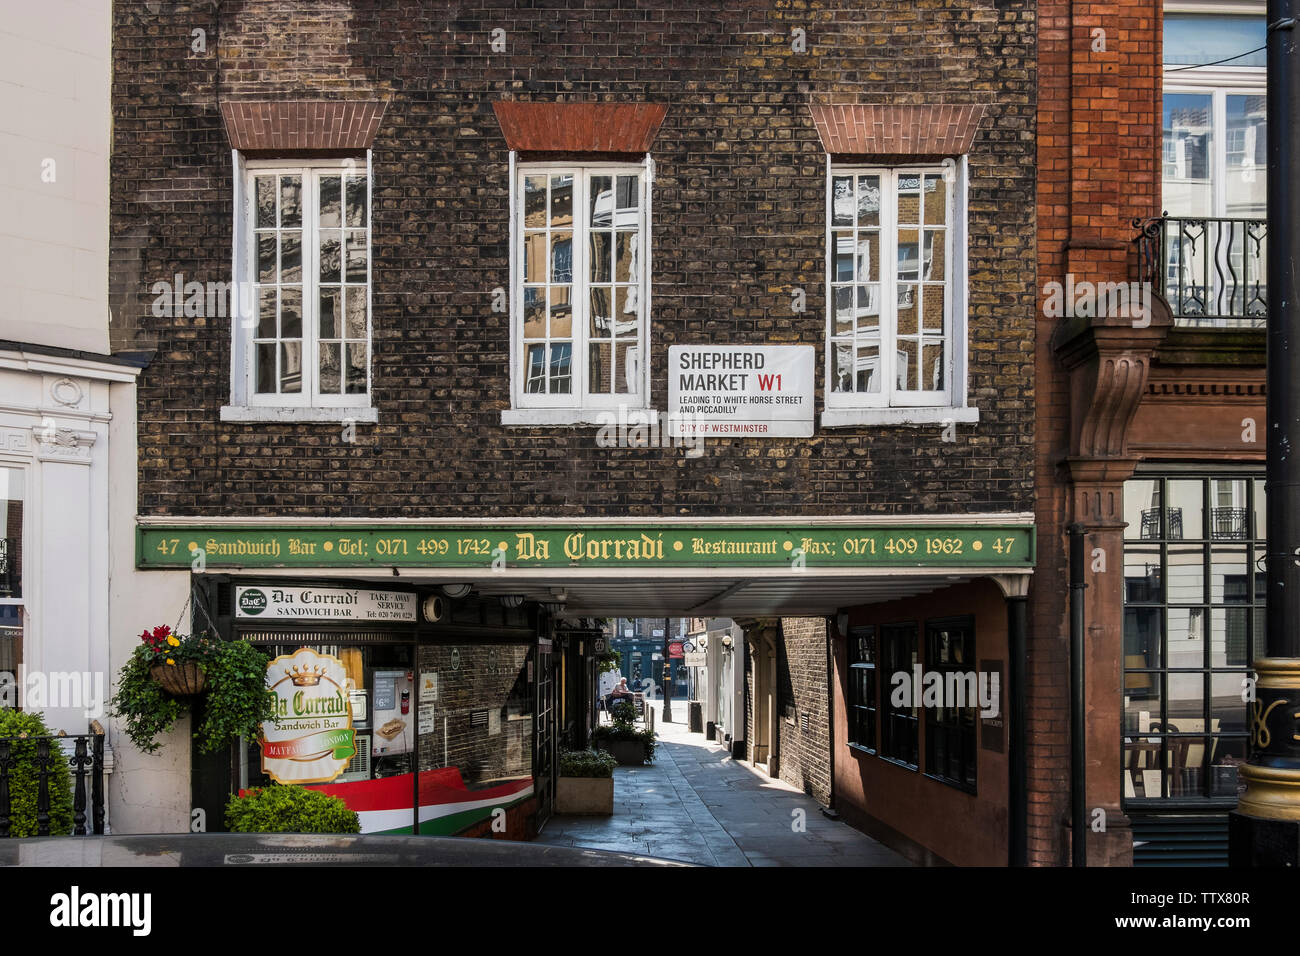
802 671
738 209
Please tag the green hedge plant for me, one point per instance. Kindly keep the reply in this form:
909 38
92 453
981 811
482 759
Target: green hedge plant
587 763
282 808
24 780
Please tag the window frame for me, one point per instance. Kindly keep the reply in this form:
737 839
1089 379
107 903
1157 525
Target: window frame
852 704
891 405
936 727
886 713
1217 81
246 404
578 406
1156 743
29 548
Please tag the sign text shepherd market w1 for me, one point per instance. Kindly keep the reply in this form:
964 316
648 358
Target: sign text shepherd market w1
587 546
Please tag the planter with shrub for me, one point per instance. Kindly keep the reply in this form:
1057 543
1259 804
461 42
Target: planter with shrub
630 746
586 783
282 808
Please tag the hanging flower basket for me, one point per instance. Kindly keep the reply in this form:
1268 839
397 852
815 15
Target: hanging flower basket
168 673
185 679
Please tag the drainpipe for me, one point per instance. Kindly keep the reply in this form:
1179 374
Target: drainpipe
1078 750
1017 628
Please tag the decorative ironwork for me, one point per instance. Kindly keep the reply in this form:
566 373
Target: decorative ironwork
1229 523
86 760
1173 523
1211 271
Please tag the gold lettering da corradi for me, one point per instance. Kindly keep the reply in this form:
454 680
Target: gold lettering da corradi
643 547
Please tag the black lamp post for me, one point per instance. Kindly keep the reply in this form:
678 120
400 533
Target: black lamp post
1265 828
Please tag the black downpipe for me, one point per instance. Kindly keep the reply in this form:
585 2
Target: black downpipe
1018 843
1078 750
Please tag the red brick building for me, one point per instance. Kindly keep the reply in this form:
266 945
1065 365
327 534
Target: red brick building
1148 417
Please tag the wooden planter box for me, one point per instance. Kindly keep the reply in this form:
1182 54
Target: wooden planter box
586 795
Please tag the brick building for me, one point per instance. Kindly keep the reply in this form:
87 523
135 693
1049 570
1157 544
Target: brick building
1151 178
412 275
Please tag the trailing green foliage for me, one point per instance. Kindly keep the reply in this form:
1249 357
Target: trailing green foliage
24 780
289 809
587 763
235 698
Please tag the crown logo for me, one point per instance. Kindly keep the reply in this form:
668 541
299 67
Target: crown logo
305 676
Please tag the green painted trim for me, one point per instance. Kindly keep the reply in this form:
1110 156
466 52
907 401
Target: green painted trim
792 546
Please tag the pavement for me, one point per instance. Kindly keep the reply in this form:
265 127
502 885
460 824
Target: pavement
698 805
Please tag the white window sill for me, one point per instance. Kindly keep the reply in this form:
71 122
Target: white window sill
573 416
854 417
298 413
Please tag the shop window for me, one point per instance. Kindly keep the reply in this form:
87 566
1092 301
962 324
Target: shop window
896 300
1193 616
950 730
461 715
303 327
580 315
898 724
862 688
11 583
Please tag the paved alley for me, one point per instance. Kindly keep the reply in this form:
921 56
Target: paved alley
696 804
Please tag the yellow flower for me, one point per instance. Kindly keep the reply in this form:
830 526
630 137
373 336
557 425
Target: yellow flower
173 642
170 661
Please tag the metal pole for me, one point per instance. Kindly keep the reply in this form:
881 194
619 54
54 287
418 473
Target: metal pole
1078 749
1266 828
1017 843
668 679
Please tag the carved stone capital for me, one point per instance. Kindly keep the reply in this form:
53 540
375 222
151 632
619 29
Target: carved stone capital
63 444
1108 360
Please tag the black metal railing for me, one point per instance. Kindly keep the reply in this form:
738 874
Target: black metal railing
1229 523
1173 529
1210 271
85 766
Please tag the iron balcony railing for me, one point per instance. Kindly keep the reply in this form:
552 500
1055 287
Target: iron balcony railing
1210 271
86 765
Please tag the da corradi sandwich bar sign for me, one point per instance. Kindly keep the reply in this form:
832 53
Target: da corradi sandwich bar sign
330 604
311 739
743 390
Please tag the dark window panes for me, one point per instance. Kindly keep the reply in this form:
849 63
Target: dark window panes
1228 711
1229 519
1228 565
1185 708
1141 701
1142 509
1229 637
1260 511
1144 762
1183 509
1141 638
1142 574
1186 636
1185 571
1226 755
1186 766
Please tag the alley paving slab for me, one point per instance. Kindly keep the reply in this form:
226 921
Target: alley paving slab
698 805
